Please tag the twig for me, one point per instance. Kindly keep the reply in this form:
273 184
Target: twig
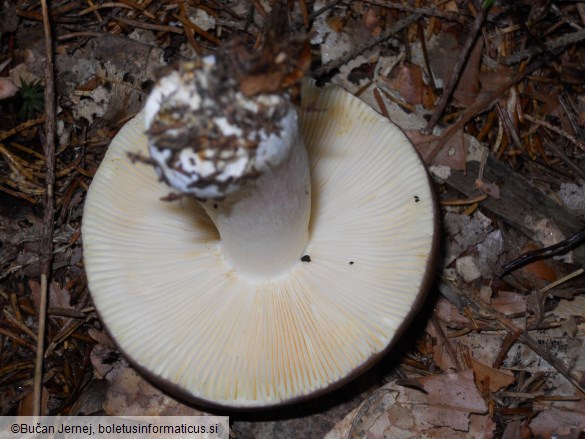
481 105
304 13
508 126
423 45
505 347
559 43
525 337
150 26
457 69
324 9
561 281
543 253
80 34
17 339
18 194
32 260
68 328
361 48
431 12
446 342
570 108
193 27
46 250
221 5
381 104
23 126
463 202
579 173
20 325
105 6
559 131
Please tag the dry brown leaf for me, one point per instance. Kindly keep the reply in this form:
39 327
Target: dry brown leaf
105 359
453 154
424 143
444 50
91 399
26 404
449 313
401 412
131 395
468 86
442 357
58 297
101 337
560 420
496 379
539 269
464 232
371 20
516 430
406 82
570 307
509 302
336 23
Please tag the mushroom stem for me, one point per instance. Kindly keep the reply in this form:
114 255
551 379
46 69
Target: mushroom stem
264 226
242 155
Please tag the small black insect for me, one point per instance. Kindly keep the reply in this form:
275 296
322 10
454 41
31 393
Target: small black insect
306 258
416 199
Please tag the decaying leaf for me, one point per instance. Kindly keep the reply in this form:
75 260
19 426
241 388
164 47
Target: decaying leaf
491 189
490 378
26 405
131 395
538 269
405 81
565 420
570 308
469 86
402 412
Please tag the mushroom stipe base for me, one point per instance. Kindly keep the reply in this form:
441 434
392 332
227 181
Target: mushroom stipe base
188 319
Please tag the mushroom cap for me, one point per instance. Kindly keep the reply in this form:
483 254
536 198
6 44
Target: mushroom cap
193 324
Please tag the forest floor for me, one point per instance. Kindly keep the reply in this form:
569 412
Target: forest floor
493 98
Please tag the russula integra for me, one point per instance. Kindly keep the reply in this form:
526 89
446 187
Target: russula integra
304 251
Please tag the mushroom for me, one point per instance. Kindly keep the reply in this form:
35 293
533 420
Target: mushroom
304 251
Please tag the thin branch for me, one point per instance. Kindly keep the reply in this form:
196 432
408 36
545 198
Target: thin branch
324 9
457 69
46 251
559 248
579 173
561 42
430 12
559 131
483 103
336 63
150 26
525 337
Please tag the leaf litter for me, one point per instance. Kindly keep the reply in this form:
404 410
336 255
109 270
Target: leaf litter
490 357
